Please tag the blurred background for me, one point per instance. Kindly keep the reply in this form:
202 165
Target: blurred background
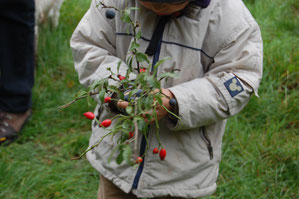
260 150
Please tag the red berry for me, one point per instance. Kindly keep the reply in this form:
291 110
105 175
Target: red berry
106 123
131 134
120 77
162 154
155 151
89 115
107 99
142 70
139 160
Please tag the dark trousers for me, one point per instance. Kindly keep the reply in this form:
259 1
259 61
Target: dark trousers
16 54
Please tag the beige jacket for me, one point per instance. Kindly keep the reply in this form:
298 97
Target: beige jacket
219 52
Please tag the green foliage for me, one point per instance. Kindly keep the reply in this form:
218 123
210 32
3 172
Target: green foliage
260 147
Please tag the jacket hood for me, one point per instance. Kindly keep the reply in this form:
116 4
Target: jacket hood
201 3
167 1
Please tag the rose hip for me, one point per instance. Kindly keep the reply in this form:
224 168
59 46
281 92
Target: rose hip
155 151
131 134
139 160
142 70
162 154
106 123
107 99
89 115
120 77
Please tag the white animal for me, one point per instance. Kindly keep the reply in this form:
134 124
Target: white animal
48 10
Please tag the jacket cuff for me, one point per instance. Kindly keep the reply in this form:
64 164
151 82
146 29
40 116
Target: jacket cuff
172 119
174 123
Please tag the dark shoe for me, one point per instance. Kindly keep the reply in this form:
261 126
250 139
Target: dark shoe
11 124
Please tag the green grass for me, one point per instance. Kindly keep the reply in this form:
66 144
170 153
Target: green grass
260 149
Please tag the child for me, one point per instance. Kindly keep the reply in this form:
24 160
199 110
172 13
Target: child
217 47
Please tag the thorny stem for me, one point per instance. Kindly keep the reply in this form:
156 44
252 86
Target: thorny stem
111 77
92 147
158 137
135 25
83 96
76 99
170 112
147 144
136 127
104 6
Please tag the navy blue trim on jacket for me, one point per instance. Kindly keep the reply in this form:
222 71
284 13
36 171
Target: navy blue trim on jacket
169 42
202 3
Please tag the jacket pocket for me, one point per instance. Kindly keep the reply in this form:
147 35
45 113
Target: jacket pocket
206 139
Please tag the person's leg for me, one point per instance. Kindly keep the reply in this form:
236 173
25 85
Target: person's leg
107 190
16 64
170 197
16 55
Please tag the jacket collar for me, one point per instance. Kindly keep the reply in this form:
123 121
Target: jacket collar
202 3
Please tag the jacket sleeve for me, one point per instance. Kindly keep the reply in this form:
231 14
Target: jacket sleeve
228 84
94 46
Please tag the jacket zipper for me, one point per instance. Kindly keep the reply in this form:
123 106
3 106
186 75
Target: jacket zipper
208 142
143 142
140 168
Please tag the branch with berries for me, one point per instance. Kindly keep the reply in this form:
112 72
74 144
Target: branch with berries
143 96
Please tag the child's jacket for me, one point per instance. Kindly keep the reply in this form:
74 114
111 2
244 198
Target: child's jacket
219 53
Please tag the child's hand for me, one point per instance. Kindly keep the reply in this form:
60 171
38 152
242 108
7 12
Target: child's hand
160 111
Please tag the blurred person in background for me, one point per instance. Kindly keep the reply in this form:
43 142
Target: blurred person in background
16 66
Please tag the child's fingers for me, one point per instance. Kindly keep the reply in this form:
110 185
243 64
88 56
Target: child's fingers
122 104
145 117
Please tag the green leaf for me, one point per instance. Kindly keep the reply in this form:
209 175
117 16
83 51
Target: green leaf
158 64
129 70
142 126
141 57
126 125
158 97
154 83
112 153
129 109
130 63
120 158
118 66
138 35
140 105
88 100
133 92
148 102
134 8
172 75
106 84
134 46
94 85
121 95
81 93
127 154
142 79
113 88
102 95
126 16
156 119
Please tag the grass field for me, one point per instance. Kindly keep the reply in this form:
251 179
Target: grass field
260 151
